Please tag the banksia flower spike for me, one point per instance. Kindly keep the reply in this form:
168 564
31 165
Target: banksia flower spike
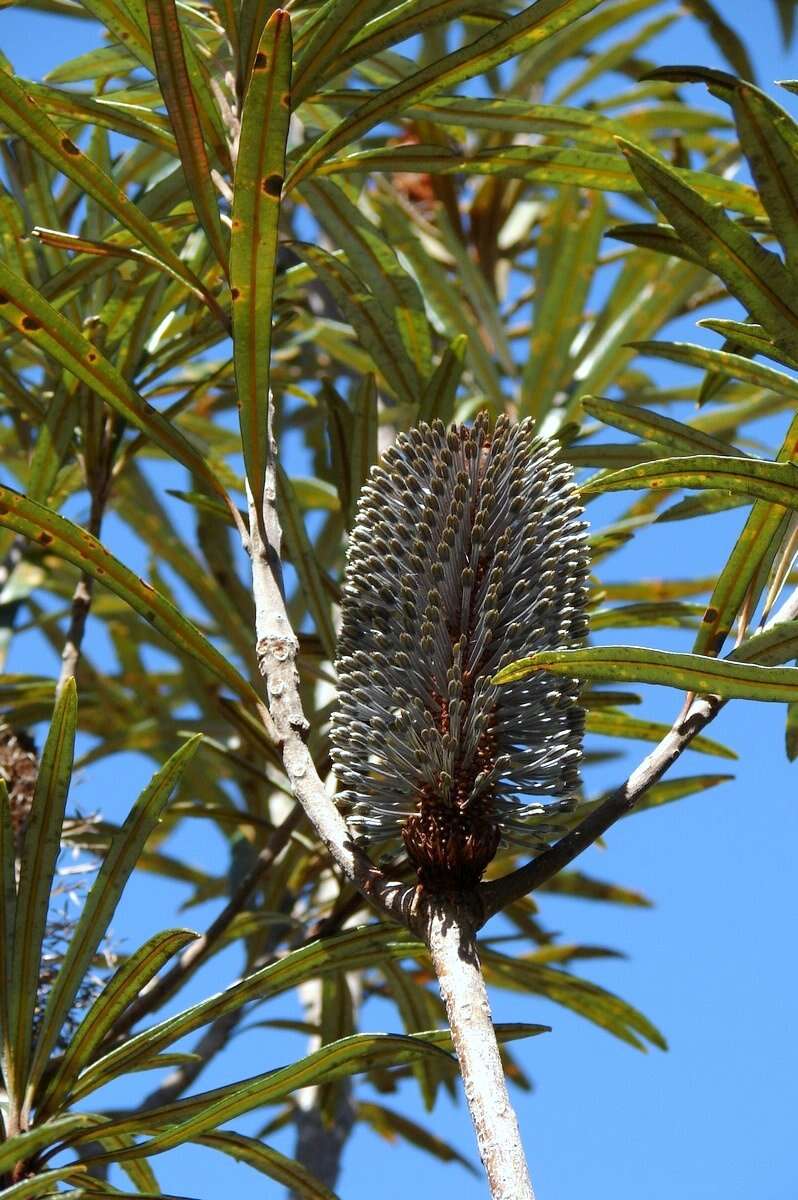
467 554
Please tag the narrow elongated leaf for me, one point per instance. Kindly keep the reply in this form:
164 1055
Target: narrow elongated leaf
360 1052
77 546
587 999
121 989
734 366
669 790
260 168
345 952
34 318
653 427
506 39
564 267
39 855
101 902
438 397
181 105
655 613
365 422
755 547
376 330
776 482
612 723
44 1184
548 163
769 139
23 1146
20 112
754 275
375 262
303 556
8 906
687 672
751 337
772 646
337 24
724 35
286 1171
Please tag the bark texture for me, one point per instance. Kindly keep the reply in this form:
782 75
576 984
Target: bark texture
453 949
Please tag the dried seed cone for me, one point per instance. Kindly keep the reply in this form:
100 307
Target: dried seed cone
19 767
468 552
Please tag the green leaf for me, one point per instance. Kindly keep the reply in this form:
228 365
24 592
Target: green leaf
101 902
391 1125
40 850
613 723
438 398
724 36
23 1146
124 986
687 672
181 105
770 646
553 164
667 791
506 39
755 547
791 732
776 482
303 557
8 904
35 319
257 191
286 1171
653 427
346 952
750 337
77 546
375 329
585 887
360 1052
375 263
587 999
20 113
565 264
336 24
768 137
43 1184
735 366
656 613
754 275
365 418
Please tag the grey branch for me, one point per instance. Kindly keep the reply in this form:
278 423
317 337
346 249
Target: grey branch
451 939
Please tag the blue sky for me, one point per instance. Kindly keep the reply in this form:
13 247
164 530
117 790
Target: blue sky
713 963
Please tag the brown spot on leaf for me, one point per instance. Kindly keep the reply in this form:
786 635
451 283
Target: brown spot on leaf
30 324
3 510
44 538
3 298
261 61
235 293
69 147
92 356
710 615
150 614
285 99
272 185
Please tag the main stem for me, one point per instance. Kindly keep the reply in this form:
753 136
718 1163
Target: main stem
451 941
